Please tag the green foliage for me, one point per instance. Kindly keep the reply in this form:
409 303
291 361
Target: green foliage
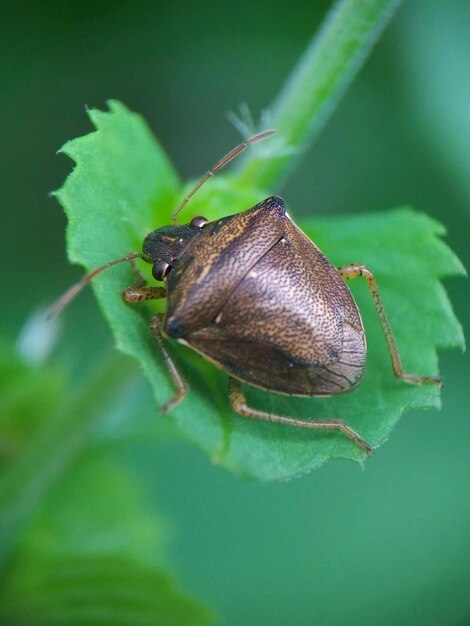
78 533
91 557
123 187
92 591
96 553
29 395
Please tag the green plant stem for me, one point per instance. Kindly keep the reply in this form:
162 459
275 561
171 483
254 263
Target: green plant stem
56 446
316 85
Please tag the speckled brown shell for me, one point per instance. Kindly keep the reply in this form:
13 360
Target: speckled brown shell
256 297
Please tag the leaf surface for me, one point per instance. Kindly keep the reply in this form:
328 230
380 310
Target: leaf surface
123 187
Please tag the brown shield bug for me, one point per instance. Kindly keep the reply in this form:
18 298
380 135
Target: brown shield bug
253 295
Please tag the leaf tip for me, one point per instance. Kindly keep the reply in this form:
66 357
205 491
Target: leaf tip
116 106
98 117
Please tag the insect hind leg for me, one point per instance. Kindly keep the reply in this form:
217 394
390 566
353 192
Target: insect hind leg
239 405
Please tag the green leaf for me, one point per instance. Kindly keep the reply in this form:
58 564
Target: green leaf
94 556
402 248
95 591
111 198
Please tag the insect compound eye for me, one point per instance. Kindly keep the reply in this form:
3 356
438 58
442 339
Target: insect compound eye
160 270
199 222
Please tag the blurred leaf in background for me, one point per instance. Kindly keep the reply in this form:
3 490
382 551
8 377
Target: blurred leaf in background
29 395
99 562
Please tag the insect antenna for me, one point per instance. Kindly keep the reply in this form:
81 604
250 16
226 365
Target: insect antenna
73 291
219 165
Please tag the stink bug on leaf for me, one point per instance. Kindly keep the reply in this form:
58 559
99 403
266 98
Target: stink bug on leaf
254 296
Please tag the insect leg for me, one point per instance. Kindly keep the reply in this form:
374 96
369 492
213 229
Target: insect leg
359 269
178 380
140 281
137 293
239 405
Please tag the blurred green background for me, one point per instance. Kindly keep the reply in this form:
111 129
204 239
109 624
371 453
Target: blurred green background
387 545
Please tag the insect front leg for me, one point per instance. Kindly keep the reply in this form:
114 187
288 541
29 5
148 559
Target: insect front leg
359 269
181 387
239 405
140 281
140 294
